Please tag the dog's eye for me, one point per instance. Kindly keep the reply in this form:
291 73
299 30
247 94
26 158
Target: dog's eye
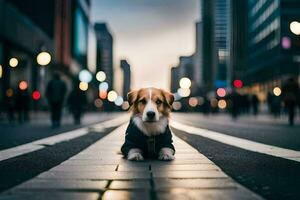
142 101
158 102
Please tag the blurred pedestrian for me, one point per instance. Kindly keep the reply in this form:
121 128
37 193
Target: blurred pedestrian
23 104
235 100
290 97
254 103
77 102
10 104
276 105
55 93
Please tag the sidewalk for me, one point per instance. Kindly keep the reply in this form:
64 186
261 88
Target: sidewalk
100 172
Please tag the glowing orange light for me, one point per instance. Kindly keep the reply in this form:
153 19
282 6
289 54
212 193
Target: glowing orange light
36 95
9 92
23 85
193 101
221 92
103 94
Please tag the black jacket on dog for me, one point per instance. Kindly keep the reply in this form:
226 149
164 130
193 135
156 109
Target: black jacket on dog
150 146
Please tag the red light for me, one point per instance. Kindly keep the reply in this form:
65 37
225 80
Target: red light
36 95
237 83
221 92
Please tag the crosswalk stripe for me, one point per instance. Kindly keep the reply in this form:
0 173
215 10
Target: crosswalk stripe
239 142
40 144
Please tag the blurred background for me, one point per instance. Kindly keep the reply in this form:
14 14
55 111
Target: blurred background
237 57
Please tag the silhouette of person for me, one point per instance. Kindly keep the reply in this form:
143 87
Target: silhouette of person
55 93
76 102
254 102
22 104
290 97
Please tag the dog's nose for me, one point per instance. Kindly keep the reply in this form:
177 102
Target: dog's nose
150 114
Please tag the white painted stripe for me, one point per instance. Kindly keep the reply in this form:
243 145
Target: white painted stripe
39 144
240 143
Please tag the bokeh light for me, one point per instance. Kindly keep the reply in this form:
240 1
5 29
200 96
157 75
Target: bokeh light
238 83
277 91
286 43
101 76
193 101
119 101
13 62
185 83
43 58
36 95
23 85
98 103
222 104
112 96
9 92
200 101
1 71
184 92
176 105
83 86
221 92
103 94
103 86
295 27
125 105
85 76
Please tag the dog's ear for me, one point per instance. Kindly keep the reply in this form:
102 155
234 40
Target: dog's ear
169 97
132 97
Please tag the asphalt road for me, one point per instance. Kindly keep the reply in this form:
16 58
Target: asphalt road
271 177
40 127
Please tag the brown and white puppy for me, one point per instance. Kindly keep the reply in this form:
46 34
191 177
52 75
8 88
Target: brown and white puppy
151 108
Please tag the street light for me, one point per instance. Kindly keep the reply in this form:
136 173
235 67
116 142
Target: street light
1 71
13 62
295 27
85 76
112 96
43 58
185 83
101 76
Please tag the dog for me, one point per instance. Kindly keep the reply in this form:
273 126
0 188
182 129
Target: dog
148 134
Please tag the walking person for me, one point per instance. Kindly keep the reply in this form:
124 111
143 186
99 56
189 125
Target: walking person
22 104
290 96
55 93
76 103
255 103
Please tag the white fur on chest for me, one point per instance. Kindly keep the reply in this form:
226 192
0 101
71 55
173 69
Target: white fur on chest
151 129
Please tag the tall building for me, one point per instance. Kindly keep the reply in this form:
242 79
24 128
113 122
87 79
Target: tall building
104 51
238 40
273 50
221 27
207 45
198 58
57 26
174 83
126 77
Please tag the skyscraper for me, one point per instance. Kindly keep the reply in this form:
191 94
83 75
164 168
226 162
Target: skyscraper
272 48
104 52
221 28
126 77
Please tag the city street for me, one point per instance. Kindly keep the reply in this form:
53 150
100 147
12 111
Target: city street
249 158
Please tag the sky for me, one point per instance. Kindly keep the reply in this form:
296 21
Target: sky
150 34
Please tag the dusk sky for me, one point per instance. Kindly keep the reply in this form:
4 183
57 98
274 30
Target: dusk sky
150 34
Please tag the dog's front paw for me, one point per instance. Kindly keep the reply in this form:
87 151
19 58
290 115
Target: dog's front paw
135 154
166 154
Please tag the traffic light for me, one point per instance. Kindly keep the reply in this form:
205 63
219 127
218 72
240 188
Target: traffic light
238 83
